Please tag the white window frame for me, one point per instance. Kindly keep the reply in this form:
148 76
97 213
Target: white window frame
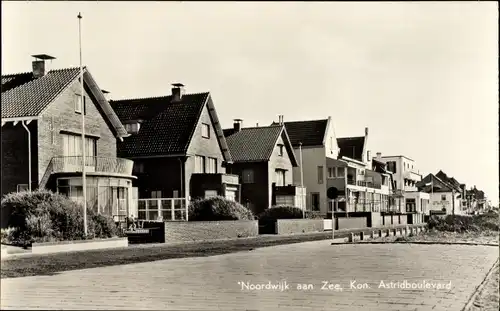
211 166
320 174
280 177
132 128
155 194
205 130
20 187
281 150
199 164
80 105
210 194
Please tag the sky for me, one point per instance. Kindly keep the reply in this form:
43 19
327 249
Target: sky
422 76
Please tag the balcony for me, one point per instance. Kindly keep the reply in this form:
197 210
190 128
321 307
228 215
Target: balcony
99 165
92 164
412 175
369 184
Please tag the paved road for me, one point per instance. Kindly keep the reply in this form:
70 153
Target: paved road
211 283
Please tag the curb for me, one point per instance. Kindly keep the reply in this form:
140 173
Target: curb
480 287
425 243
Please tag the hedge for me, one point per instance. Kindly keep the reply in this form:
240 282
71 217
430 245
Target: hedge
43 216
218 208
286 212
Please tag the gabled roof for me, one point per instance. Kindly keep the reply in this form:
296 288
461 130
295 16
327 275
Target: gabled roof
256 144
25 96
309 133
438 185
380 167
166 127
452 182
351 147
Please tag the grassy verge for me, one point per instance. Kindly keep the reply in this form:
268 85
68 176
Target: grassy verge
488 299
49 264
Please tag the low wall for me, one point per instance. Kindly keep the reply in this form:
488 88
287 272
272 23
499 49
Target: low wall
292 226
192 231
81 245
352 222
327 224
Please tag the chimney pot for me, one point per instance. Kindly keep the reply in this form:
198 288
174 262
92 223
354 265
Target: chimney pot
379 155
366 131
237 125
177 91
39 65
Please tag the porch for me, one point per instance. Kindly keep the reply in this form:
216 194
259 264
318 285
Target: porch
290 195
163 209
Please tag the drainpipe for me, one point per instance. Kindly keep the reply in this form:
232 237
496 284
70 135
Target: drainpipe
29 153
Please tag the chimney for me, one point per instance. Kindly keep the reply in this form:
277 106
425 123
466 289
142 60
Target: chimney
39 65
177 92
379 155
366 131
237 125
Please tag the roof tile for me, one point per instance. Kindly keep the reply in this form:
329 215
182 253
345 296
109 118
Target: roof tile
253 144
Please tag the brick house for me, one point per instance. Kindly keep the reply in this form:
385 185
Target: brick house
42 138
178 148
263 157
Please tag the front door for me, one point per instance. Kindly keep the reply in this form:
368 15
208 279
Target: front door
315 202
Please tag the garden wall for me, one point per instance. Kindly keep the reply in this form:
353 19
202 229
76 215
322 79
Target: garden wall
352 222
81 245
192 231
293 226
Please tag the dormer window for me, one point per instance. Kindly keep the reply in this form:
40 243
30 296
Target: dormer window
132 128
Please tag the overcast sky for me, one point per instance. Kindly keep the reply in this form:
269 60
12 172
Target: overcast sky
422 76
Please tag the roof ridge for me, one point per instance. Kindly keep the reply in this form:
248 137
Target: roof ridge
259 127
52 70
120 101
310 120
350 137
39 79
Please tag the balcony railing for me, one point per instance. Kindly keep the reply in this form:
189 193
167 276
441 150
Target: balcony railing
351 182
92 164
369 184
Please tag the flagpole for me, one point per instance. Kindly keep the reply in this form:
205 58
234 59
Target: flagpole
82 101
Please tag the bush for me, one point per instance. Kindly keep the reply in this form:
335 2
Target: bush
459 223
218 208
282 212
42 216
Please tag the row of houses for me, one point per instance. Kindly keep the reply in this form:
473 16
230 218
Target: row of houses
148 157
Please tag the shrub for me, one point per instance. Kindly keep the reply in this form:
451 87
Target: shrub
281 212
41 216
218 208
459 223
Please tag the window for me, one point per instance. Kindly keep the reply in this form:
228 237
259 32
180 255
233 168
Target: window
248 177
22 187
340 172
138 167
315 201
443 197
280 150
132 128
280 178
331 172
210 194
175 194
79 105
199 164
156 194
211 166
320 174
72 146
205 130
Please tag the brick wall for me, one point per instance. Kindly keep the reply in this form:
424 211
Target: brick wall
61 115
15 159
292 226
177 232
